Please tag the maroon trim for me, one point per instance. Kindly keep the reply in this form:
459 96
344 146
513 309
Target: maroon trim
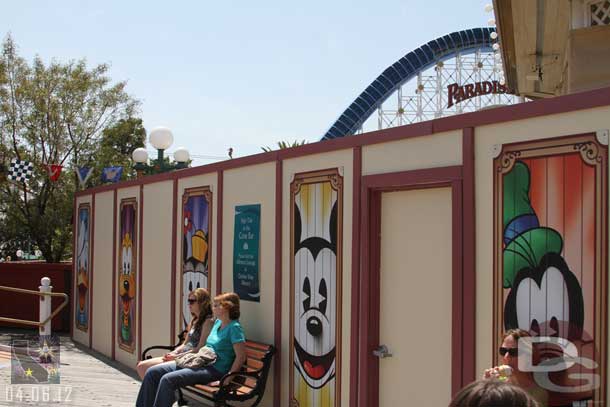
92 267
219 234
114 276
542 107
469 258
172 304
277 334
413 179
355 318
369 286
457 293
140 246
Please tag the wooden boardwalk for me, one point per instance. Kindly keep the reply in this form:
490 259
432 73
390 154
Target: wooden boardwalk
88 379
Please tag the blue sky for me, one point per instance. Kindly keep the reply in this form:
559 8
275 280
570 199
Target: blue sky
237 74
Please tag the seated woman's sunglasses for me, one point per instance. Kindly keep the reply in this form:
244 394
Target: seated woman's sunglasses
191 301
511 351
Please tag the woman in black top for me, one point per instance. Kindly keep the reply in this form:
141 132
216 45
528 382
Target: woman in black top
200 305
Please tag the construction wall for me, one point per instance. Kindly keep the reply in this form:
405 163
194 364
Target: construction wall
326 192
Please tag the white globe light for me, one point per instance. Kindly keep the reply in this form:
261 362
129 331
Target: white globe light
496 46
161 138
502 81
491 21
493 35
38 253
19 253
139 155
488 8
181 155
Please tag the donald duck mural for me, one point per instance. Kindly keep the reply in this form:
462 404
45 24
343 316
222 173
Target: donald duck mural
82 272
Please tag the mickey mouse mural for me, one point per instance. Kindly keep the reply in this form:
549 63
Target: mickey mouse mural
550 259
315 312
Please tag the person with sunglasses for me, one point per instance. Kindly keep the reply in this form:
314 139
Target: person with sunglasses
509 356
200 305
226 339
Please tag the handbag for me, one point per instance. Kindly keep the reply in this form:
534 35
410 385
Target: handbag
191 360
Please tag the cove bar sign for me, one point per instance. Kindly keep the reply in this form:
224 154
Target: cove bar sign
457 94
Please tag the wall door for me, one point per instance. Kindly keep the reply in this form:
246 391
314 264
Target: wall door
415 309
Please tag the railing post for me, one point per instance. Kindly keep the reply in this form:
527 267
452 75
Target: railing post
45 306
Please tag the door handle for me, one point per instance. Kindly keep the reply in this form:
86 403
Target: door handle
382 352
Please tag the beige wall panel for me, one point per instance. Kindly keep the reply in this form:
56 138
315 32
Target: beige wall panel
438 150
78 335
128 359
486 137
102 270
156 264
245 186
343 159
205 180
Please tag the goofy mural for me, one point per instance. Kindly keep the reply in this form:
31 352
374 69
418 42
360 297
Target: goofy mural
127 276
196 204
550 260
83 235
315 309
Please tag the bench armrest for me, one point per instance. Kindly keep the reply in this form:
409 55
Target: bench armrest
226 385
145 356
181 337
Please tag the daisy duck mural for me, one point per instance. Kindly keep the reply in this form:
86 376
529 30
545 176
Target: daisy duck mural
82 268
196 204
550 260
127 276
315 280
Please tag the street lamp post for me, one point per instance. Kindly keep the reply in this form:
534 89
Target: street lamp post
160 138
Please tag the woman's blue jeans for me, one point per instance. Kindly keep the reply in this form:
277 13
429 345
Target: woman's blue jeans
161 382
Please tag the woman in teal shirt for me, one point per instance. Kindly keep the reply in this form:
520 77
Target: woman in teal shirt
228 341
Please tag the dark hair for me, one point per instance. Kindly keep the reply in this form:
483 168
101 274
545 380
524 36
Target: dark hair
492 393
229 301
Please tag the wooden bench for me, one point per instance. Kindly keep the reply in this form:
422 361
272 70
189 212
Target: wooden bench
248 384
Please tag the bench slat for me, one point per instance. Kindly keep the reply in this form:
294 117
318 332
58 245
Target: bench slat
255 354
257 345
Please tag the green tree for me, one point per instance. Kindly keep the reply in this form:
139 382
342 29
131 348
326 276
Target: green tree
116 145
52 113
283 144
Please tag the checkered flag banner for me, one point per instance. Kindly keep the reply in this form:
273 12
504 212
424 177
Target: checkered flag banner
20 170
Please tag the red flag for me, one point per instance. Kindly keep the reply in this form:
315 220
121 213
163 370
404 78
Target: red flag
54 170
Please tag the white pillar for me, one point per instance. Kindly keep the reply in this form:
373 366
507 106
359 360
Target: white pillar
45 306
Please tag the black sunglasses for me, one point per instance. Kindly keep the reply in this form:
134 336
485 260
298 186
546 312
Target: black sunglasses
511 351
191 301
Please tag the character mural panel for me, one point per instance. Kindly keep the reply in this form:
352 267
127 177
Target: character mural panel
127 275
315 281
196 222
83 256
550 258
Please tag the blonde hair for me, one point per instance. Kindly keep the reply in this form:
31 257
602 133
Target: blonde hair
229 301
203 297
